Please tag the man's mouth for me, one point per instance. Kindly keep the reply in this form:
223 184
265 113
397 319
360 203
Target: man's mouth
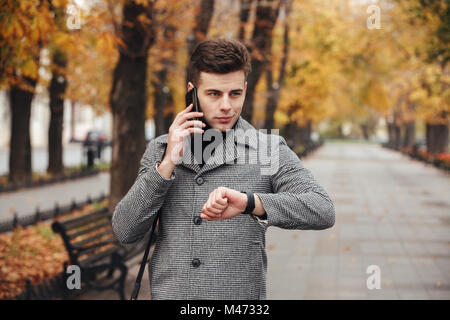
224 119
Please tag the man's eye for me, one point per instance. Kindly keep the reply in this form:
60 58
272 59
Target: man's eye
213 94
236 94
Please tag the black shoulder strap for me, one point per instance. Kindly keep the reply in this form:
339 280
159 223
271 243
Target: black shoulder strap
137 285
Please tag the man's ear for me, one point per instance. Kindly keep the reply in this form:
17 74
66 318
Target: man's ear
245 86
190 86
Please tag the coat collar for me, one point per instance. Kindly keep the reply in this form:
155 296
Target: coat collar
244 135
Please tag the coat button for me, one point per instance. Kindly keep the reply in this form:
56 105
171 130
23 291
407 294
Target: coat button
195 263
199 181
198 220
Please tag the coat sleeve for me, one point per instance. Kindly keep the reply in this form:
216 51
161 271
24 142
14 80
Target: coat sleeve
132 217
297 201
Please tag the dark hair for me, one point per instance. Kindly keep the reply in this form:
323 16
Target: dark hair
218 56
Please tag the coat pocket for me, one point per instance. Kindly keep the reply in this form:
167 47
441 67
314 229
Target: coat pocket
257 265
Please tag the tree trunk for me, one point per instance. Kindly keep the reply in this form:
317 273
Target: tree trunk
266 16
437 138
394 134
302 134
390 133
272 99
57 88
162 92
305 133
72 120
243 18
170 109
128 99
20 144
409 134
340 131
274 91
198 34
289 134
161 97
365 131
397 136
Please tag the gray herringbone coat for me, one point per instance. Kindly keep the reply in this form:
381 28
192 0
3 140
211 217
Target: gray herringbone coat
223 259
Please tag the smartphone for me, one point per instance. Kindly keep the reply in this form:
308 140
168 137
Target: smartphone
192 98
196 138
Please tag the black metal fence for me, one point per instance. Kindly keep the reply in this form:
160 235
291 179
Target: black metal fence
33 218
51 288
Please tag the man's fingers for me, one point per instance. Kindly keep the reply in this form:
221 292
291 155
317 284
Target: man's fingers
193 123
190 115
210 210
216 200
209 214
179 114
210 218
220 199
215 205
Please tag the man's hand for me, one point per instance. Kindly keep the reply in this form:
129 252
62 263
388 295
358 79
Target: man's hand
181 127
224 203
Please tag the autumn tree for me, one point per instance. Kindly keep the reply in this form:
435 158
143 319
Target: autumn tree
57 90
274 87
203 15
259 47
25 27
431 96
128 97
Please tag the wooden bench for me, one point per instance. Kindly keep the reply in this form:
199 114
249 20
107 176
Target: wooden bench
92 245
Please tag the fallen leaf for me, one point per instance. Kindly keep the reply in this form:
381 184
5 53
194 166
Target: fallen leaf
391 260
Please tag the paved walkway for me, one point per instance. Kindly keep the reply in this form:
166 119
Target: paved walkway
25 201
391 212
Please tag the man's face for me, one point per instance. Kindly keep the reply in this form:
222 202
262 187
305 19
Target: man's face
221 97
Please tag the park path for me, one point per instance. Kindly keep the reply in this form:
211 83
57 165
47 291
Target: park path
25 201
391 212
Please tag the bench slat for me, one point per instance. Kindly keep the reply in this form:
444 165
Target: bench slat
99 256
95 246
81 244
82 220
88 230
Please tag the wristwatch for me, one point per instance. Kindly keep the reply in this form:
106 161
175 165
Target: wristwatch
250 202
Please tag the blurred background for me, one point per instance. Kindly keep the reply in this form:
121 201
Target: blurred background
358 88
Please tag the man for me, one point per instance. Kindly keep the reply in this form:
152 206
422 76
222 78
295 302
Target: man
214 214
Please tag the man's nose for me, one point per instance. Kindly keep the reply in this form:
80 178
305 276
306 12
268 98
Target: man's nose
225 104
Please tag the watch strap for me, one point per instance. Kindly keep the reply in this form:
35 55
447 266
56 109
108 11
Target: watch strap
250 202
